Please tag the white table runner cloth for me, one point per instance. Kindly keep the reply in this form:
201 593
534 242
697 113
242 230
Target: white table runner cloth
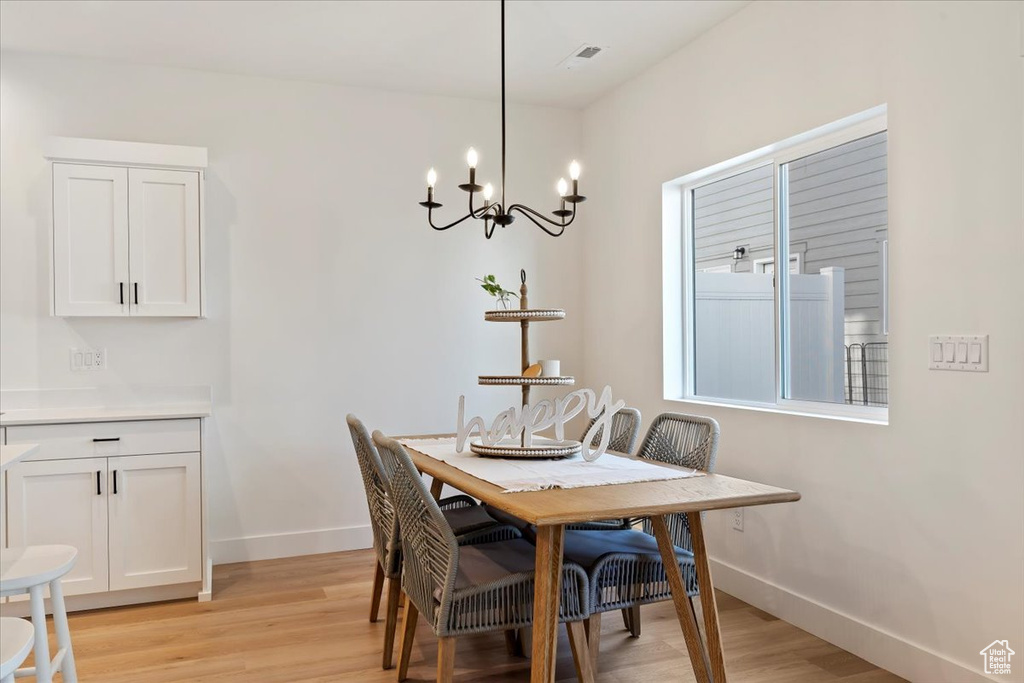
537 475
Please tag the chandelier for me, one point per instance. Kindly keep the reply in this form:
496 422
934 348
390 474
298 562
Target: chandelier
500 213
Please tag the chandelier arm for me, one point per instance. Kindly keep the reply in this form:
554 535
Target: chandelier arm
527 211
481 213
430 219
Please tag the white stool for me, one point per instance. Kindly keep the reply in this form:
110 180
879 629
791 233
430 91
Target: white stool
15 644
29 570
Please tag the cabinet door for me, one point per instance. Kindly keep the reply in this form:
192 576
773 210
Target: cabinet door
155 520
65 502
90 240
163 225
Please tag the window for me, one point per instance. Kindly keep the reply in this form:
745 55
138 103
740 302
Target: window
813 339
767 265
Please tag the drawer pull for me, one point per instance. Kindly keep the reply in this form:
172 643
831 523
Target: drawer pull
99 491
115 482
109 438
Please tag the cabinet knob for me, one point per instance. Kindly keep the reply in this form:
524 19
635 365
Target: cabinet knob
99 491
120 287
136 293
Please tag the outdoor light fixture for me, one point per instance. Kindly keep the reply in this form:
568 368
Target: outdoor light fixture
737 253
500 213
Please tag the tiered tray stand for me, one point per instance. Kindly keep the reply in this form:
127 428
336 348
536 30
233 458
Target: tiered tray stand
541 447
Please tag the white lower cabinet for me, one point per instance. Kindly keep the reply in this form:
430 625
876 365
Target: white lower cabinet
127 495
155 522
63 502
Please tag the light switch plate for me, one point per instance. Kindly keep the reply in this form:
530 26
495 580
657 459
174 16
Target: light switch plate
966 353
87 360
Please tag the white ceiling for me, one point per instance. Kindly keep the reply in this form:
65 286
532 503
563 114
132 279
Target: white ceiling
425 46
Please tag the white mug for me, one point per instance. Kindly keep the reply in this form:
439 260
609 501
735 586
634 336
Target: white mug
550 368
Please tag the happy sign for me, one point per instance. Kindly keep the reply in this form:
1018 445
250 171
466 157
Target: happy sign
525 420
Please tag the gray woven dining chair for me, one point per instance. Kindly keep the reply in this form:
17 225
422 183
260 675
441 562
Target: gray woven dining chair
468 519
467 589
624 565
625 430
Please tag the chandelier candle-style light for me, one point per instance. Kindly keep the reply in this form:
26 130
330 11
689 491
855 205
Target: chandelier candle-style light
500 213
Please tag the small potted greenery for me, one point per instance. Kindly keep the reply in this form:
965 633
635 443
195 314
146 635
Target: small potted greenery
489 284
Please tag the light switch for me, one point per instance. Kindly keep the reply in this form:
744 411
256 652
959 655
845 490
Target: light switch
967 353
83 360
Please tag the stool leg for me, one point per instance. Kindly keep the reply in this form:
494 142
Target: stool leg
41 647
60 625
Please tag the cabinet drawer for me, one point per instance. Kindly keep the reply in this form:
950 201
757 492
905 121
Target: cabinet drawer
104 439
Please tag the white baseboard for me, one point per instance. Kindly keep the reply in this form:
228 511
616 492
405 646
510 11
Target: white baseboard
272 546
886 650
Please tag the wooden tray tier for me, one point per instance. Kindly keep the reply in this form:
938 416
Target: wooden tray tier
519 315
519 381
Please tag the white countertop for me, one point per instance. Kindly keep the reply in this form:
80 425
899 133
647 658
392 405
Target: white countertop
36 416
106 404
12 454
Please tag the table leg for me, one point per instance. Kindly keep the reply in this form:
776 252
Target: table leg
546 597
707 598
684 611
435 488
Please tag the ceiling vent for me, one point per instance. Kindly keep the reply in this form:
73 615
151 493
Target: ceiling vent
581 57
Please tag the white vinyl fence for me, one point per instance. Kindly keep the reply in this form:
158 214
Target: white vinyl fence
734 324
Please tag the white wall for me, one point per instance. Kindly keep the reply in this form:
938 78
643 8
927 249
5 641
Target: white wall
328 292
908 545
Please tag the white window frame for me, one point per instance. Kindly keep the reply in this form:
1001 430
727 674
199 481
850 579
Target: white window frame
794 260
678 269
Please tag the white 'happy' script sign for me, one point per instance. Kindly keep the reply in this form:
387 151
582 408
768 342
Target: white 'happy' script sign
528 419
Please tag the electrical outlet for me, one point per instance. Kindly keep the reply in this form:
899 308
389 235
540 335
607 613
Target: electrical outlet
84 360
737 519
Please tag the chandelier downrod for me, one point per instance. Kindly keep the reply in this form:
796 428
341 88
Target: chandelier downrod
500 213
503 102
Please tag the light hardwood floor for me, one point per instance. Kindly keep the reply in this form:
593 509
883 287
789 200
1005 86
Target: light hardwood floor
305 619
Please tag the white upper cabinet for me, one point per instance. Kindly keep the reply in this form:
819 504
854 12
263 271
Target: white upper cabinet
163 242
127 228
90 239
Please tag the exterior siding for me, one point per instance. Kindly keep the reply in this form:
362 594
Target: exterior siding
837 218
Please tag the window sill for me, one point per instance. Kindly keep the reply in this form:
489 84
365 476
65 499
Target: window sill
845 413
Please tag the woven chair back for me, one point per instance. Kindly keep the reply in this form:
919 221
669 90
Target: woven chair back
429 549
625 430
685 440
383 521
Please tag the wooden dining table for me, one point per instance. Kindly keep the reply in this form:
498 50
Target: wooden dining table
550 510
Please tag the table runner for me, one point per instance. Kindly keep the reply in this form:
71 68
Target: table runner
537 475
